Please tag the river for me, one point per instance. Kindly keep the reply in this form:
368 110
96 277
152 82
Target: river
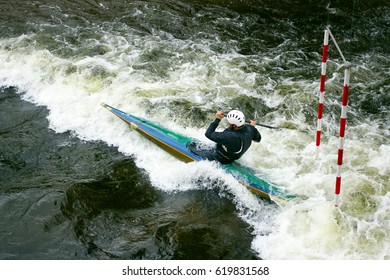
77 183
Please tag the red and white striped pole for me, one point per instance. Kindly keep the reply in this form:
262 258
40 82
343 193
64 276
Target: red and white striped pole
322 93
343 122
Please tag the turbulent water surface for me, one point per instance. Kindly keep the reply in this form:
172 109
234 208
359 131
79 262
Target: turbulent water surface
77 183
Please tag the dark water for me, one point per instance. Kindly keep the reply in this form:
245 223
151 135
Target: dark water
63 198
70 190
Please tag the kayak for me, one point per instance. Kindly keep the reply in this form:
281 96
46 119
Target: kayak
184 149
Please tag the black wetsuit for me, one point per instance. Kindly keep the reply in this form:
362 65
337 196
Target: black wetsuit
231 144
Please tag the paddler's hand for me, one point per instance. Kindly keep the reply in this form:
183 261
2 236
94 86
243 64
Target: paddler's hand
252 122
219 115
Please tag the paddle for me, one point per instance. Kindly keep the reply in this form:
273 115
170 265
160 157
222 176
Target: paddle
264 125
260 124
268 126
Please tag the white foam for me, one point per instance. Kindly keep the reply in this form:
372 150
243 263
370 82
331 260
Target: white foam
310 229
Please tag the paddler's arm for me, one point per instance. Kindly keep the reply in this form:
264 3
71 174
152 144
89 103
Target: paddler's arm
256 136
210 132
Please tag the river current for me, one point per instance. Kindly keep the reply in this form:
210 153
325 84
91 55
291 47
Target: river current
77 183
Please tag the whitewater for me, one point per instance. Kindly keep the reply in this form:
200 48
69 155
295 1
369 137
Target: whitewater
180 81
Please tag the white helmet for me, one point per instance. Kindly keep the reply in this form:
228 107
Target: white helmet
236 117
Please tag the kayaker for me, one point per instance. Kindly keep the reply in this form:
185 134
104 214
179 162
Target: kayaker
234 141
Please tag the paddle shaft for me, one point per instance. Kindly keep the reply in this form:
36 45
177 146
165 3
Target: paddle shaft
258 124
267 126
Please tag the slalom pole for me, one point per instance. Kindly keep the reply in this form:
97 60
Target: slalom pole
343 121
322 92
